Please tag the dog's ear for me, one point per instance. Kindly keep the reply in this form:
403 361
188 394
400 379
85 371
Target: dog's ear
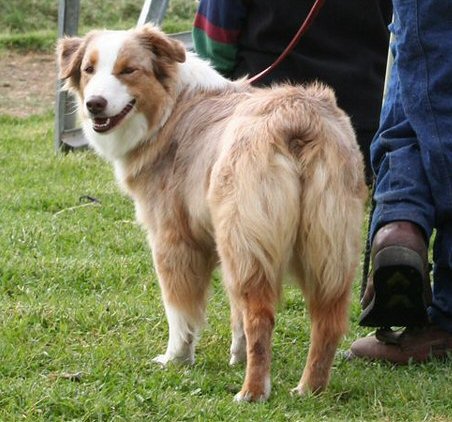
160 44
69 57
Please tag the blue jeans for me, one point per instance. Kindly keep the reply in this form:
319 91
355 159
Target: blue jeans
412 152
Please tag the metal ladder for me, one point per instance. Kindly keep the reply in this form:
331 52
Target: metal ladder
67 135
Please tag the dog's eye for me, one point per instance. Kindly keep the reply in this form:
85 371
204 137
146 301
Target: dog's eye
89 69
127 70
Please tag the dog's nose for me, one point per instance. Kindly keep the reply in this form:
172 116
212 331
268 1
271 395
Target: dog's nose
96 104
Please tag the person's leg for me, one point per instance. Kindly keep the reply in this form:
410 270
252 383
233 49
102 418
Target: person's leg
424 40
425 63
401 187
398 289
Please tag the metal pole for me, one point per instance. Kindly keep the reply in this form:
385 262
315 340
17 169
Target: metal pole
153 11
68 18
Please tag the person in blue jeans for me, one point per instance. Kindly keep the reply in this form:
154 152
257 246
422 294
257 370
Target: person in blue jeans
412 158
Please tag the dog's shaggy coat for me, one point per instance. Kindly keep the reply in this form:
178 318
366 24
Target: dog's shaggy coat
264 181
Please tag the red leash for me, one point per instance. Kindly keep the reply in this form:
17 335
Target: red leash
315 9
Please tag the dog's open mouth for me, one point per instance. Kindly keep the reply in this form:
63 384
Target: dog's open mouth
104 124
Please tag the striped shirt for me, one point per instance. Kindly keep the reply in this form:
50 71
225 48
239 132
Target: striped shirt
216 32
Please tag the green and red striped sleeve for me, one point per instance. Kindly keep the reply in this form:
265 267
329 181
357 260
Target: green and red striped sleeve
216 31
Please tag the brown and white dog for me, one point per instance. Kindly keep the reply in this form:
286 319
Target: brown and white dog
265 180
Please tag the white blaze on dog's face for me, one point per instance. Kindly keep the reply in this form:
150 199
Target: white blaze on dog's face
107 99
125 83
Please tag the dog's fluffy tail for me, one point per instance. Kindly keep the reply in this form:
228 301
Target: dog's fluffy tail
333 192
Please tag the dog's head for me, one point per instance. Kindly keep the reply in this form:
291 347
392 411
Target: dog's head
125 83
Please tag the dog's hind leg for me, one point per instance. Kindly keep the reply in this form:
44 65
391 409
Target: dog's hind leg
255 225
329 321
258 304
184 277
254 291
259 320
325 259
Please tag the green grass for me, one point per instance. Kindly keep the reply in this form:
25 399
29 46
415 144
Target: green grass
78 295
31 41
32 24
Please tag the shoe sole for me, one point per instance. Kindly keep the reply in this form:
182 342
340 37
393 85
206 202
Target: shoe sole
399 290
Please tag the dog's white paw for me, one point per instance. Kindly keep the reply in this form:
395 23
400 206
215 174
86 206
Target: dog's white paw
248 397
161 360
243 396
298 391
165 359
303 390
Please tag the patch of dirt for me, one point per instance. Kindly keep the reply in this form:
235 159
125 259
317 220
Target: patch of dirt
27 83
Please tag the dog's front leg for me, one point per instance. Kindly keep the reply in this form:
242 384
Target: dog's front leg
182 338
184 276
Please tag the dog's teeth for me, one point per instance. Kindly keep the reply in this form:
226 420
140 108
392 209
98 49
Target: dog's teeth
103 125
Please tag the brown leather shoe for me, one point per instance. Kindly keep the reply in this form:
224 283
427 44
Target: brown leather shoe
398 290
412 345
